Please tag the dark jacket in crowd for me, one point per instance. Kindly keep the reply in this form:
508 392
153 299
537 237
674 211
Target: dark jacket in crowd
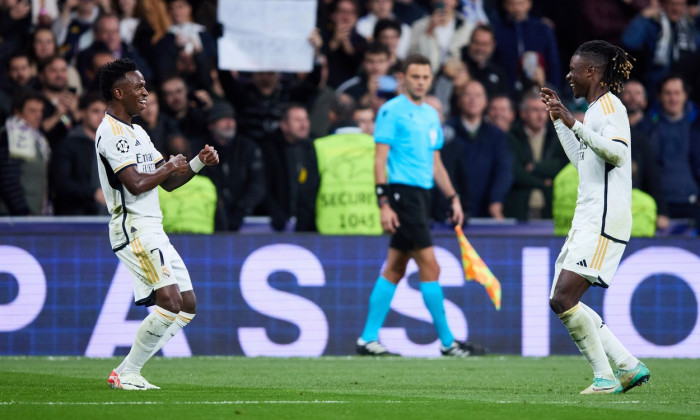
239 179
552 161
645 168
12 199
342 66
514 38
166 56
492 76
488 164
257 116
74 176
676 146
292 182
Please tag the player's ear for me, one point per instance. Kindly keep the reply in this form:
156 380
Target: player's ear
117 93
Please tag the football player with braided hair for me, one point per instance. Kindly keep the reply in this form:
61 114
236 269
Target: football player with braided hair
600 149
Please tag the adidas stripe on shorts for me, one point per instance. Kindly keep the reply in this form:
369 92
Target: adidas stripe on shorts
591 255
153 263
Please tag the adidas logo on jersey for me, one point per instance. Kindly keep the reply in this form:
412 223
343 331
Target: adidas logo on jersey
138 143
582 263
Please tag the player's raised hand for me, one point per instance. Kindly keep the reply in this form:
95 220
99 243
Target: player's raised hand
179 164
209 156
556 108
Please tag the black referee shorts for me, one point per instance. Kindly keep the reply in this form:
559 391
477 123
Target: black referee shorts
412 205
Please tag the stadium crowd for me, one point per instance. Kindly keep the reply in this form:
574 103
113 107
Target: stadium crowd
489 58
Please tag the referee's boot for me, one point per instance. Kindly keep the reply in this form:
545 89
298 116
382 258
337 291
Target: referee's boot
372 348
463 349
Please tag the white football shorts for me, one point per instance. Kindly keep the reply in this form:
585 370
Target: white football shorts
591 255
154 263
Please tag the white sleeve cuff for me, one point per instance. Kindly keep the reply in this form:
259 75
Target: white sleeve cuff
196 164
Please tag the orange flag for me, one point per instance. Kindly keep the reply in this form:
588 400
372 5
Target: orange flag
476 269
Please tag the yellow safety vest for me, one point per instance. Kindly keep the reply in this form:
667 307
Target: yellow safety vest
346 203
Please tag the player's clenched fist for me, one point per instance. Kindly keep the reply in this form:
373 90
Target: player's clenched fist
179 164
209 156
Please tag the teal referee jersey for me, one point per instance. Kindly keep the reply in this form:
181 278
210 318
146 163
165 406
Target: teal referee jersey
413 132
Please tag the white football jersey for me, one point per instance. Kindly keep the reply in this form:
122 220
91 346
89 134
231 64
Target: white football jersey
120 145
605 189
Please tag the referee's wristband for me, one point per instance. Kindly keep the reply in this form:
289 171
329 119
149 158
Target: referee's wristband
196 164
382 190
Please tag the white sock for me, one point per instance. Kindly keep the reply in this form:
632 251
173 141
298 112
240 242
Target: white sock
616 352
147 337
183 318
583 331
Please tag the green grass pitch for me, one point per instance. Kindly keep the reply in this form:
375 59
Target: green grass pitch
490 387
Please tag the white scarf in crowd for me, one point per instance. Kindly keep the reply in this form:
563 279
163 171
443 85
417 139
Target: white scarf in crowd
25 143
666 51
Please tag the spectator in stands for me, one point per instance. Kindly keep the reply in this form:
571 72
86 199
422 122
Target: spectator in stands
76 19
369 84
501 112
450 80
344 47
98 59
379 10
519 33
186 48
75 182
107 39
451 155
645 168
154 23
130 14
606 20
185 107
663 35
239 178
292 172
24 156
19 77
388 32
192 207
485 154
409 11
346 169
364 118
61 104
478 57
43 47
676 147
259 102
537 159
442 34
15 24
158 125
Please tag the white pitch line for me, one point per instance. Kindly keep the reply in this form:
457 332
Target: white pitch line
189 402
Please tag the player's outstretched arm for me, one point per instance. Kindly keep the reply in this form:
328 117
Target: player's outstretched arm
137 182
206 157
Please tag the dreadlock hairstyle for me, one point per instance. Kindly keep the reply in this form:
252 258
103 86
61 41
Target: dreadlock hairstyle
113 72
615 63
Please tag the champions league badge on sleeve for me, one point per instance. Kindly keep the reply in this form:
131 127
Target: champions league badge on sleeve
123 146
